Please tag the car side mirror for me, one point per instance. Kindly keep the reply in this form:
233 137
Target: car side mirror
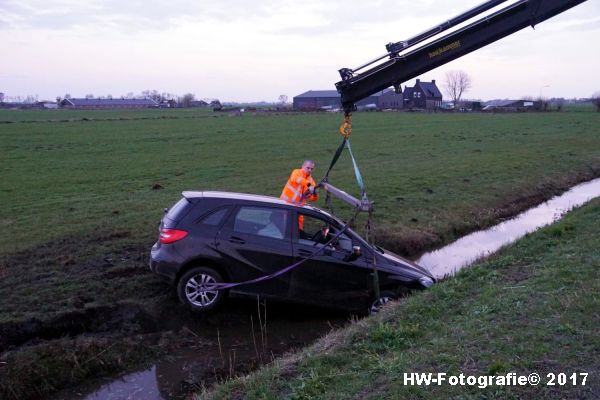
329 250
356 253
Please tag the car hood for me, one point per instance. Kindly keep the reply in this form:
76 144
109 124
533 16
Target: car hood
397 265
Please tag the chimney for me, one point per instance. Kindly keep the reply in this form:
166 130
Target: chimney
418 81
433 81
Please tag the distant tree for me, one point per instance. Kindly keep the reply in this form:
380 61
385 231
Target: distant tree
152 94
283 99
186 100
559 104
457 83
67 95
89 96
596 100
1 97
216 105
58 99
544 104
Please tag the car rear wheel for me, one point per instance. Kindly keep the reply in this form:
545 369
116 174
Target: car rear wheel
196 289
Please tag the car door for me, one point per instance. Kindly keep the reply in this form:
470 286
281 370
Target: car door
329 278
256 241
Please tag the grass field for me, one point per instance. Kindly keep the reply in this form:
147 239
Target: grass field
82 191
532 308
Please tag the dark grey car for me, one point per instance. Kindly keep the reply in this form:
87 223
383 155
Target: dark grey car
208 238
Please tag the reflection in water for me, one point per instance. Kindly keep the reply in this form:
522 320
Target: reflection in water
224 344
467 249
137 386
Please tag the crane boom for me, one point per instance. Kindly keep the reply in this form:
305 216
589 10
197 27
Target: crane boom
400 67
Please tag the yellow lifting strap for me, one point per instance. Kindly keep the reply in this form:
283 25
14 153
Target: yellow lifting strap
346 127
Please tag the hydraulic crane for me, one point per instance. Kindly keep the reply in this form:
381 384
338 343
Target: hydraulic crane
430 49
404 61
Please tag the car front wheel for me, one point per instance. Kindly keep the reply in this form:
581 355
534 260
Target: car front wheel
196 289
384 297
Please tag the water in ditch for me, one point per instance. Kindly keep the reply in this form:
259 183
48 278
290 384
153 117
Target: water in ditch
227 345
449 259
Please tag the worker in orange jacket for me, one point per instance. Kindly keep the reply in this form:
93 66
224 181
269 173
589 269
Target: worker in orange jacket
301 187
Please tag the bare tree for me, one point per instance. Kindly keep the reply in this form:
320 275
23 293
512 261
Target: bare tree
152 94
216 105
1 97
457 83
283 98
186 100
596 100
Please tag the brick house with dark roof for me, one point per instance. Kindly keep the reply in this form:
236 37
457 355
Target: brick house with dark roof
107 103
319 99
424 95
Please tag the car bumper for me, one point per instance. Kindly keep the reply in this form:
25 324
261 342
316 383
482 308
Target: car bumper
163 264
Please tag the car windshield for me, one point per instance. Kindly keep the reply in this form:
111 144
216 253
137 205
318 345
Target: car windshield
350 232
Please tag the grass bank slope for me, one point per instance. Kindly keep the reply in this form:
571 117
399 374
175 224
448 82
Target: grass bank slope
531 308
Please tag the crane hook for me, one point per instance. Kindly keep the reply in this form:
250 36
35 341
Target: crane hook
346 127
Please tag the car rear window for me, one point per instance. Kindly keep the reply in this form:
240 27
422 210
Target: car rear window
215 217
179 210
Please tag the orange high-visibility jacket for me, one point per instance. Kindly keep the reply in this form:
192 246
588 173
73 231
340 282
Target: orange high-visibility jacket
296 186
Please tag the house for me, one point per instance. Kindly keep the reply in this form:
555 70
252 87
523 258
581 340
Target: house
425 95
198 103
107 103
167 103
50 105
314 100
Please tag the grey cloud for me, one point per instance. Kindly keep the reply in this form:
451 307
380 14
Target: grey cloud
134 15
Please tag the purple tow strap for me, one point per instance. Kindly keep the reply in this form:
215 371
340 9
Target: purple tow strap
223 285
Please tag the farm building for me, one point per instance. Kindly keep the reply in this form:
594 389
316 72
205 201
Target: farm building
424 95
330 99
512 105
107 103
198 103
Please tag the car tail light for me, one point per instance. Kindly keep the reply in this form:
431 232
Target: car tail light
168 236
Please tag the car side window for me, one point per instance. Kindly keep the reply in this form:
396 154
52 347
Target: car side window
314 231
214 218
261 221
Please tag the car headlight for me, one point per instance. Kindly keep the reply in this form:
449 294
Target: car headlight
426 281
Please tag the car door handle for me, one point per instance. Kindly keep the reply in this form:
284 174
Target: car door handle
235 239
304 252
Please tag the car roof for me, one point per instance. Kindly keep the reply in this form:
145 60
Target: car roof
247 197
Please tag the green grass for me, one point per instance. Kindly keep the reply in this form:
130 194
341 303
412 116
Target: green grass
80 212
68 188
65 115
429 175
531 308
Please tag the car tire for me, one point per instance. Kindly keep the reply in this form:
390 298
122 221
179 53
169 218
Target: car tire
384 297
200 300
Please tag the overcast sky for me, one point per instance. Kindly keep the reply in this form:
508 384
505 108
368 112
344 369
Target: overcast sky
239 50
